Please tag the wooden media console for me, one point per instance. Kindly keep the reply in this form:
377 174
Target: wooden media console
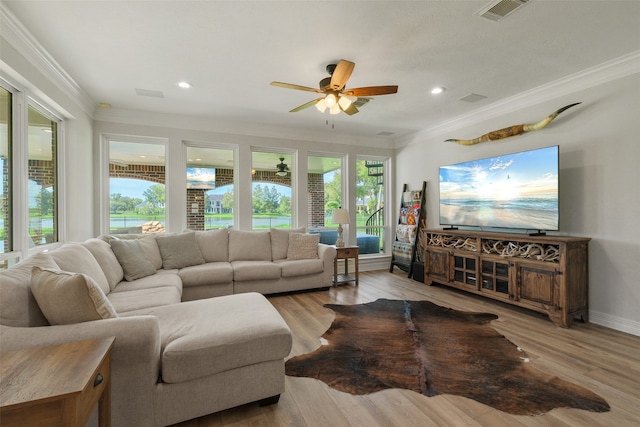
548 274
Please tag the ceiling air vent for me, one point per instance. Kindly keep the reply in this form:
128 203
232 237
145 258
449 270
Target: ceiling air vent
151 93
473 97
498 9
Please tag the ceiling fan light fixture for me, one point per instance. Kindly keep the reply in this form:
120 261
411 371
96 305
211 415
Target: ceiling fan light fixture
281 173
335 109
321 105
330 100
345 102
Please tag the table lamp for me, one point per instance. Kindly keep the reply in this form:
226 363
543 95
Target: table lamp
340 216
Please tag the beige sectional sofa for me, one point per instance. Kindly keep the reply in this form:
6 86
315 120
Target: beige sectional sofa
194 332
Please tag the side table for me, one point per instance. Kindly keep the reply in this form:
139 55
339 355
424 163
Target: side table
345 252
56 385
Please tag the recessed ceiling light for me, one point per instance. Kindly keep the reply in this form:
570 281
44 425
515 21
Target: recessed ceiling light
184 85
437 90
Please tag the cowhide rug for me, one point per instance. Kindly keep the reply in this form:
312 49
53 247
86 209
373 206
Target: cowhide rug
420 346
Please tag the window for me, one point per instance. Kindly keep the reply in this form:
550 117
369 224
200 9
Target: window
370 209
324 184
29 212
271 190
42 184
6 206
210 188
136 187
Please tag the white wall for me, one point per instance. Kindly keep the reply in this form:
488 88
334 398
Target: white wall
599 180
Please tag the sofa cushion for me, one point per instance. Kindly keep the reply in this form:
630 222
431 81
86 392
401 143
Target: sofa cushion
159 279
66 298
109 264
148 242
249 245
209 336
255 270
75 258
303 246
214 244
179 250
280 241
300 267
206 274
124 302
135 264
18 307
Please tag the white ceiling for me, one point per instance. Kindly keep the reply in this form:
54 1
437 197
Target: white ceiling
231 50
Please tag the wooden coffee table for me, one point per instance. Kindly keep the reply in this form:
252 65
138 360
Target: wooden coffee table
57 385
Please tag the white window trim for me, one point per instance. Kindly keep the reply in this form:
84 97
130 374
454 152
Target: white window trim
105 201
22 98
218 146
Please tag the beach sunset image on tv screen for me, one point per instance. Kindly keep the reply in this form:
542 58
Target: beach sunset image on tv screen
517 190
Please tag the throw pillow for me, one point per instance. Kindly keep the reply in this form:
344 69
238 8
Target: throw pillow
131 257
179 250
280 241
303 246
66 298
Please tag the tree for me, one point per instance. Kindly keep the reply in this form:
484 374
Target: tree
333 193
227 201
366 186
153 199
121 204
269 200
285 205
257 199
44 200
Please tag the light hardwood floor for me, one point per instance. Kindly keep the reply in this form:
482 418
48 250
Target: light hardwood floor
600 359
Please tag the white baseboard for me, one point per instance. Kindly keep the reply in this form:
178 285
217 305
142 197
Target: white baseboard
374 263
614 322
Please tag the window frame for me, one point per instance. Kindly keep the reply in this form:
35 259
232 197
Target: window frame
22 99
343 182
293 178
217 146
105 193
387 228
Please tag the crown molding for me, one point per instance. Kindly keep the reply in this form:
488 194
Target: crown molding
608 71
12 30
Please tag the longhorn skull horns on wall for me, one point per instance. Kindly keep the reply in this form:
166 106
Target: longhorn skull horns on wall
512 130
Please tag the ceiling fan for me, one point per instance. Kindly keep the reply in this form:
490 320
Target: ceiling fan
282 168
336 97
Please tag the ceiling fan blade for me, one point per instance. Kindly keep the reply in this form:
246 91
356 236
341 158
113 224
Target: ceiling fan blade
296 87
341 74
371 91
350 110
307 105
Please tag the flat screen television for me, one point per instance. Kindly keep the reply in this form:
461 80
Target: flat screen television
515 191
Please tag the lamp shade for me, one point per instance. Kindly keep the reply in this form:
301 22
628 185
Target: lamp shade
340 216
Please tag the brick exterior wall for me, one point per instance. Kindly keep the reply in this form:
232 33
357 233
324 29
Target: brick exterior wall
315 187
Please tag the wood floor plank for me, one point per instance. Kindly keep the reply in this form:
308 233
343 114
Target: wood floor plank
605 361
